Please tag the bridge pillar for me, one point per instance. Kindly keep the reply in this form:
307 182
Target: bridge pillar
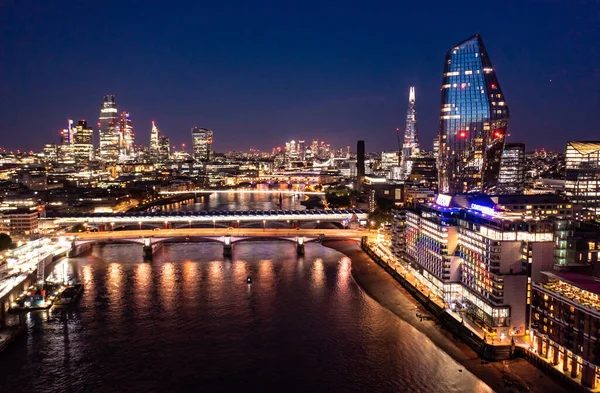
147 249
73 251
227 246
300 245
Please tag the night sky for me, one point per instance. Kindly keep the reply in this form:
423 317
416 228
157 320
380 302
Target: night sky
261 73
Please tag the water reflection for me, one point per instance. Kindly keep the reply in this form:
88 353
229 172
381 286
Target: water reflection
189 319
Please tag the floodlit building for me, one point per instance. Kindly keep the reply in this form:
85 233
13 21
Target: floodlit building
202 139
478 259
83 143
565 326
154 140
582 174
108 130
19 222
511 179
473 120
410 145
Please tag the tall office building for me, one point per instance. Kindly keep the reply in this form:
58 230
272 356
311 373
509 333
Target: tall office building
108 130
154 140
360 164
66 144
127 142
83 143
202 139
511 179
301 150
473 120
410 146
582 174
164 149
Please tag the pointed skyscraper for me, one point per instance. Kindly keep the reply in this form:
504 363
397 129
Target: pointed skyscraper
473 120
410 146
154 140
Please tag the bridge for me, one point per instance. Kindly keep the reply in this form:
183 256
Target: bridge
242 191
189 219
152 240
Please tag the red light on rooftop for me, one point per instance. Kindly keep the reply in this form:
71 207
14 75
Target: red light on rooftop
462 134
497 134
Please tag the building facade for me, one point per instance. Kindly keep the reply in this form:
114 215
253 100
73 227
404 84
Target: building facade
473 120
410 145
511 179
582 174
108 130
479 260
19 222
202 139
83 143
565 327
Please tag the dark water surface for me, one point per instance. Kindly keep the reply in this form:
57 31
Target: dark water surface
189 322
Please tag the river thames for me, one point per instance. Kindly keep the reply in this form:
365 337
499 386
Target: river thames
189 321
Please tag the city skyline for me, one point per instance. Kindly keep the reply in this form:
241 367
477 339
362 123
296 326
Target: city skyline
322 92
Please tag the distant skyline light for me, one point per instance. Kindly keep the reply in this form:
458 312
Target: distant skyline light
261 75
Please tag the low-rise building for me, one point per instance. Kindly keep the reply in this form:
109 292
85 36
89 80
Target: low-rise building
19 222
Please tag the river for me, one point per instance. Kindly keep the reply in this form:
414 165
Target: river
189 321
244 201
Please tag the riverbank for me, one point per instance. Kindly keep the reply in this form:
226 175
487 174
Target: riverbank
505 376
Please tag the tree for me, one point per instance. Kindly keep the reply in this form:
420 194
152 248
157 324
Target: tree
78 228
382 213
338 198
5 242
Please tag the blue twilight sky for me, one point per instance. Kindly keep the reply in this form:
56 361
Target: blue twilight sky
260 73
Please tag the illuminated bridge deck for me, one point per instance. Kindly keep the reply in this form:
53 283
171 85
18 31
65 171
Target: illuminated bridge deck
210 216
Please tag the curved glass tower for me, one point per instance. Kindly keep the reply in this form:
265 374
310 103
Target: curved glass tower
473 121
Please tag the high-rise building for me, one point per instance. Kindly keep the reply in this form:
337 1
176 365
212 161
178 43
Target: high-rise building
154 140
127 136
108 130
202 139
83 145
511 179
66 144
360 164
473 120
410 147
301 150
164 149
582 174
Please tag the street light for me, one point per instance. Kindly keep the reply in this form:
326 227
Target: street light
318 222
214 224
264 225
139 222
112 226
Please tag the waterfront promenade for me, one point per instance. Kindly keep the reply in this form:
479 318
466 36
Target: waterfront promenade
503 376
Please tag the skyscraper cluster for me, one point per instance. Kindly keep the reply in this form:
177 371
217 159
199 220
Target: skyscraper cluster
116 132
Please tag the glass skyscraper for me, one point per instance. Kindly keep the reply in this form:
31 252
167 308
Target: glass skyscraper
202 139
473 120
582 174
511 179
410 146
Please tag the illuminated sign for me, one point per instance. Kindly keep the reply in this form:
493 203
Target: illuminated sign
483 209
443 200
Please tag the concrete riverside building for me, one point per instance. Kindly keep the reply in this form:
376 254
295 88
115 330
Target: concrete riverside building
478 259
